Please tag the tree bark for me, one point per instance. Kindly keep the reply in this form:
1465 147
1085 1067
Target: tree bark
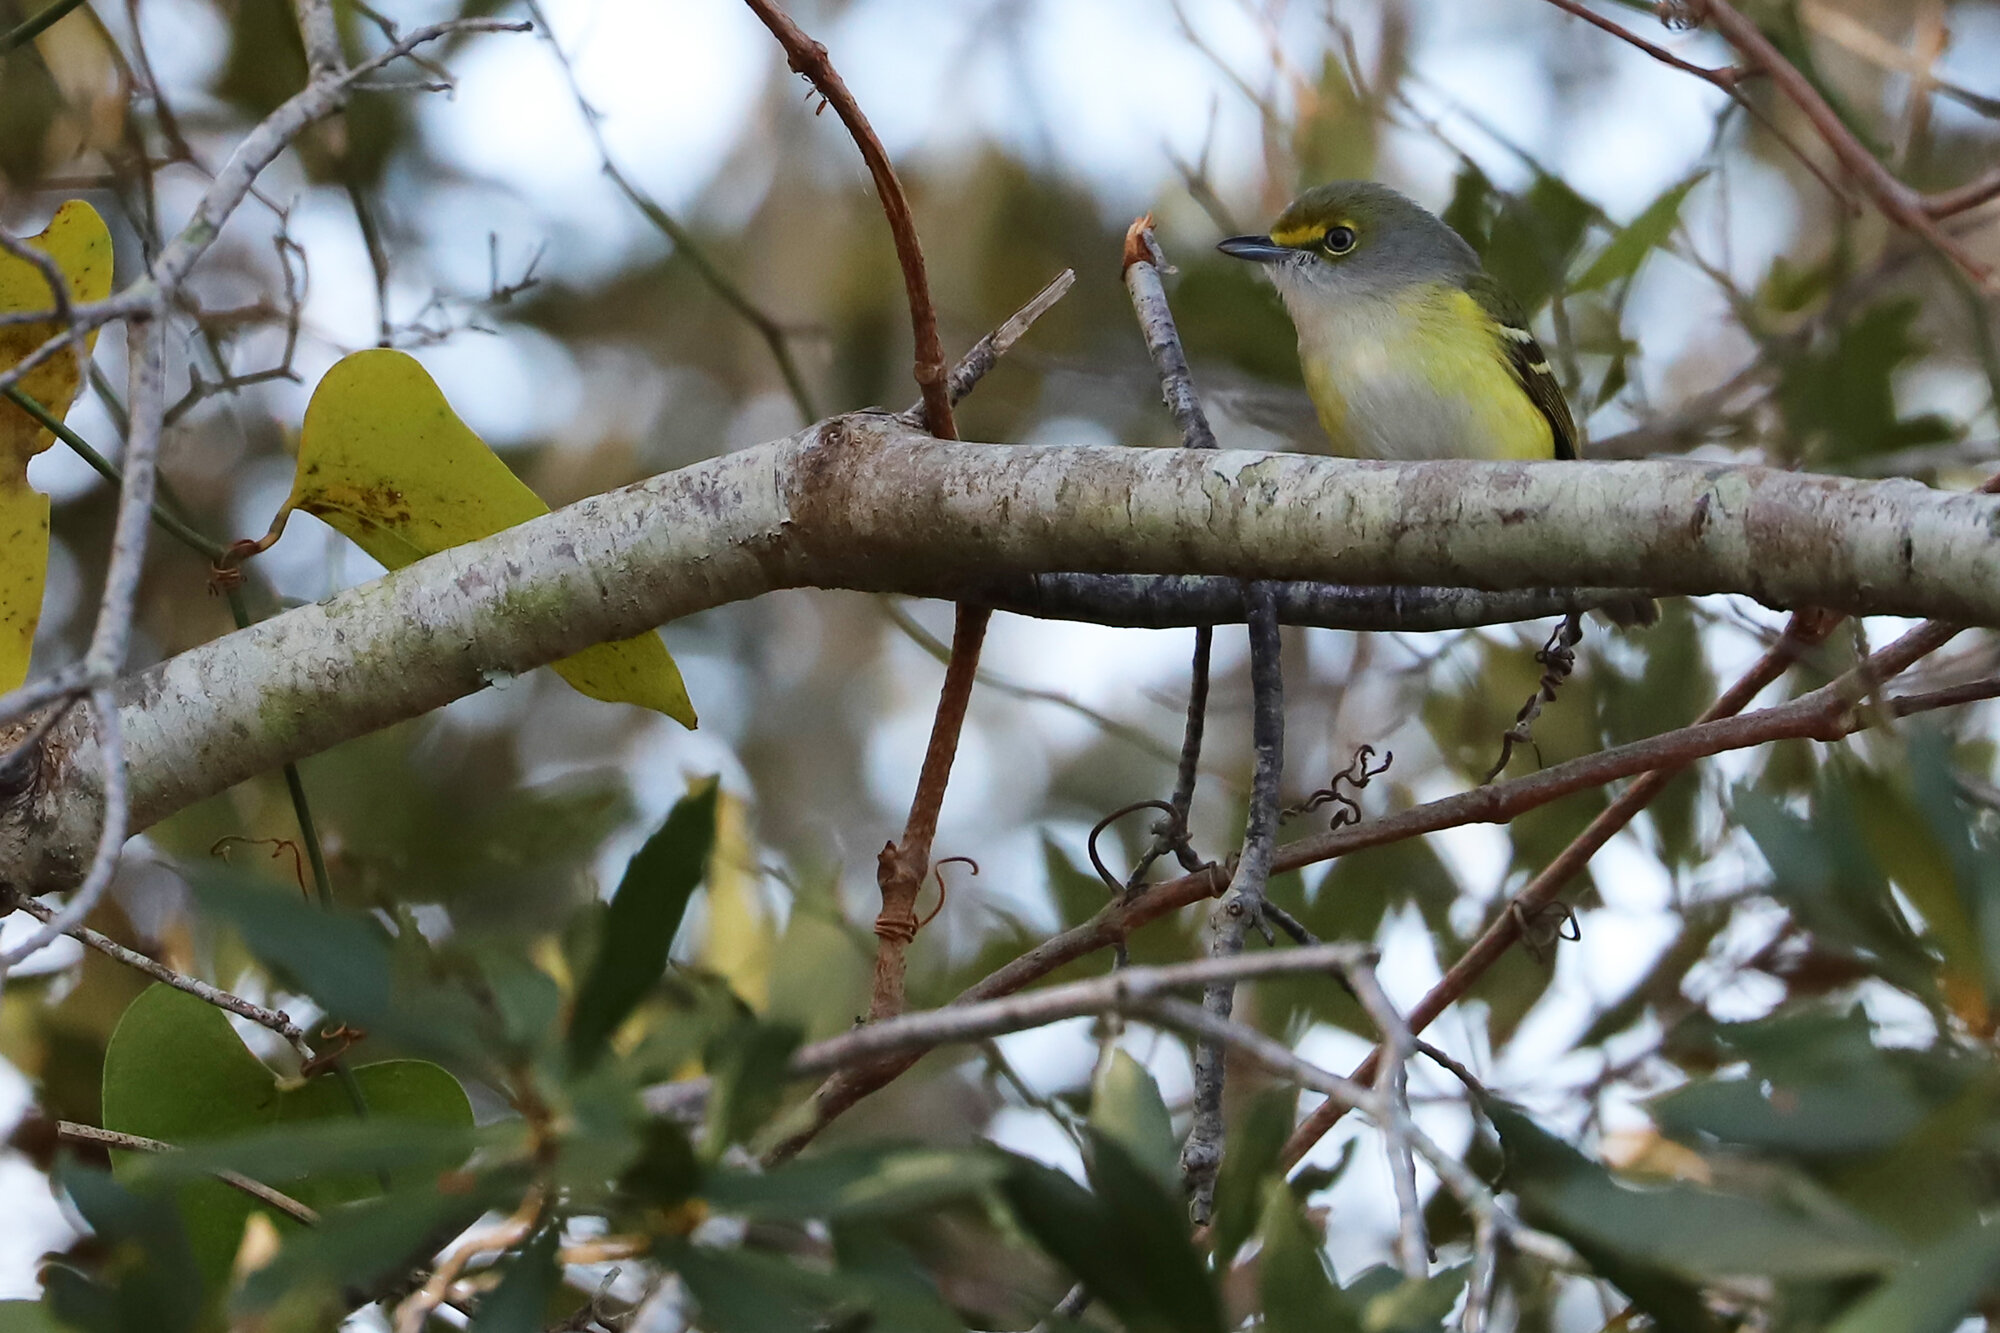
866 502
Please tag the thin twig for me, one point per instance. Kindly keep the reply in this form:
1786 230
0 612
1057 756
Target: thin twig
1825 714
774 334
1172 601
977 1022
1829 713
104 659
808 58
1281 1061
35 25
1902 205
1392 1091
70 1132
1243 905
1142 262
982 356
277 1020
901 867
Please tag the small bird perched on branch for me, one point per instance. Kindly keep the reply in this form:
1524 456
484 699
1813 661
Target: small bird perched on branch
1410 350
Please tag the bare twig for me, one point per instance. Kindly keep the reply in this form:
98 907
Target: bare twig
1170 601
1142 263
105 657
1831 710
809 59
35 25
1392 1092
1727 78
1825 714
775 335
68 1131
415 1311
896 924
901 867
1281 1061
275 1019
1907 208
1118 990
983 355
1243 904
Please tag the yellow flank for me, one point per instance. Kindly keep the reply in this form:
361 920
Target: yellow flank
1420 374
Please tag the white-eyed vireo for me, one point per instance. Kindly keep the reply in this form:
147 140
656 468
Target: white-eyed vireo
1409 349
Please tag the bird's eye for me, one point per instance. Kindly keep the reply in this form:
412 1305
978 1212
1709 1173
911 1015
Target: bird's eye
1338 240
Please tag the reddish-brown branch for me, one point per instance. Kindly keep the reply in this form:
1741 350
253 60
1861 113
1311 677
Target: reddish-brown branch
901 867
1950 203
1726 78
1909 209
1898 202
808 58
1827 714
1729 78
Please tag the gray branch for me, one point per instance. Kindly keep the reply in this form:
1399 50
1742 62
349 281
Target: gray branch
867 503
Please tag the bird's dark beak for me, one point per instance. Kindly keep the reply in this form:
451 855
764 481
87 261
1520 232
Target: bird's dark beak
1256 249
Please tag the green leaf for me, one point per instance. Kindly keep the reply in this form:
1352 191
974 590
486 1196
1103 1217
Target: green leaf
1470 212
1969 937
155 1282
1830 1118
1934 1294
347 962
1126 1108
29 1317
902 1294
1250 1156
1299 1294
1838 397
741 1291
1621 258
1648 1241
1534 239
854 1183
520 1303
384 461
640 924
1406 1305
361 1244
748 1062
1128 1242
321 1163
1824 873
175 1071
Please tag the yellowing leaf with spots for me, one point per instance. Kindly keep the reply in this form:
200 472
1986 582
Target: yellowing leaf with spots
384 461
77 240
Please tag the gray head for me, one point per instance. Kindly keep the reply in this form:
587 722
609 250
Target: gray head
1355 238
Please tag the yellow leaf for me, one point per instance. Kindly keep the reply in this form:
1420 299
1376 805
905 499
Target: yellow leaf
77 240
740 938
384 461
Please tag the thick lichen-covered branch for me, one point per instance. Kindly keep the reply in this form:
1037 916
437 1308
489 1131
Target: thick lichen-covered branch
869 503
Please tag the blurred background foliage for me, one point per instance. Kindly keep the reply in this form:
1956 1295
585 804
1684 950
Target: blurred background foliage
1812 923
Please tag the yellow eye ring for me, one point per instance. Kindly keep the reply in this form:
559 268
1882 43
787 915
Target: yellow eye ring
1339 240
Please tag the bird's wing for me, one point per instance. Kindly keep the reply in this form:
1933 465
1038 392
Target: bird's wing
1529 363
